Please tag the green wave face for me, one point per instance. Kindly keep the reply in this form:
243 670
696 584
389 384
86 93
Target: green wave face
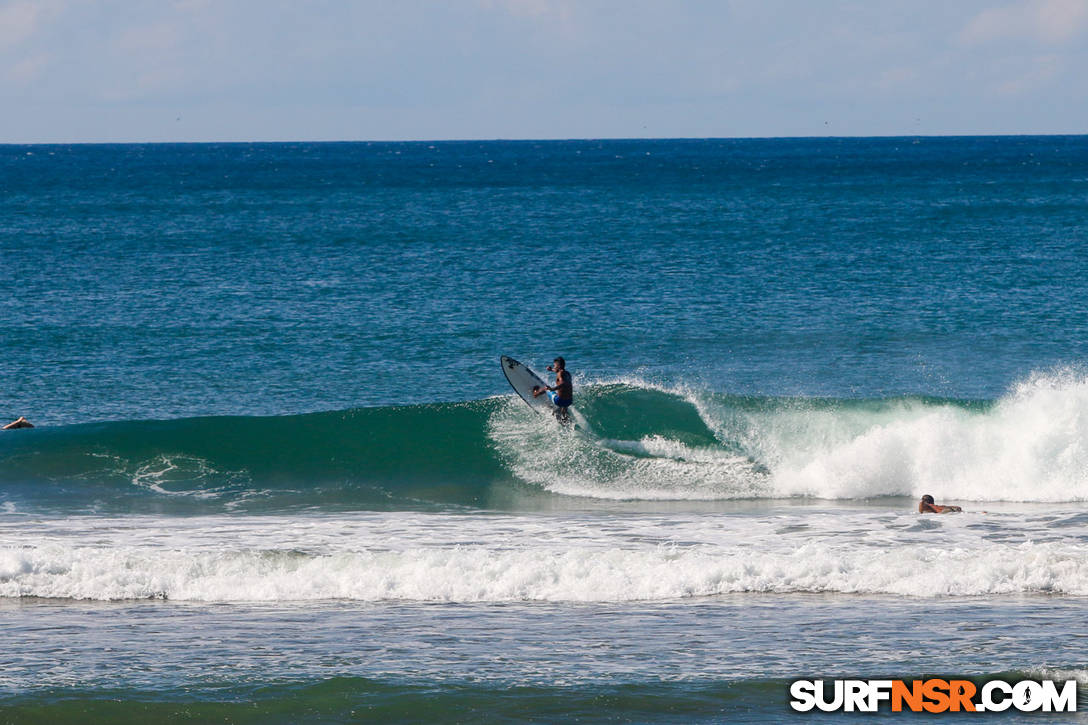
631 413
474 454
632 441
370 457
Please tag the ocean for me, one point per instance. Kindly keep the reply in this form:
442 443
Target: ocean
278 476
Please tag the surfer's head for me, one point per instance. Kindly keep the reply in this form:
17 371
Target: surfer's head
927 499
559 363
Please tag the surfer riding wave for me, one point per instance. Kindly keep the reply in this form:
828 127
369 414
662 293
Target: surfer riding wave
563 390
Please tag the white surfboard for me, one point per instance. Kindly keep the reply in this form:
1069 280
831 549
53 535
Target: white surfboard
523 380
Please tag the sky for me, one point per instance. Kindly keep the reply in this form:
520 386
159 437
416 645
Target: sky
276 70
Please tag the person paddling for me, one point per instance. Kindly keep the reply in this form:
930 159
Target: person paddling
926 506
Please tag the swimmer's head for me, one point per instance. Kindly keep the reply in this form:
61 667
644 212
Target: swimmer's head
927 499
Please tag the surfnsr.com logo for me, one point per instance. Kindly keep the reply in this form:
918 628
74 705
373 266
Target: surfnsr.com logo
933 695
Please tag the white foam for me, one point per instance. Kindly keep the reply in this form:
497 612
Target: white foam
176 474
1032 445
1053 673
652 468
485 558
184 475
478 574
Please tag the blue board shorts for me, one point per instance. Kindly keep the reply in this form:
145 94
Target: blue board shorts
559 402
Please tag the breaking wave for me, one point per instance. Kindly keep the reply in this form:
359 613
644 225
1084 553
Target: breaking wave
634 441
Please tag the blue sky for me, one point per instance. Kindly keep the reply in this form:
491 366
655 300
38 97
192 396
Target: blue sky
203 70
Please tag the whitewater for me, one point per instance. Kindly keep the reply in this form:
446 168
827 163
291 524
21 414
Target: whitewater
1029 445
489 557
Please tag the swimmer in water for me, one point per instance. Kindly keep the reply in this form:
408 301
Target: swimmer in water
19 422
926 506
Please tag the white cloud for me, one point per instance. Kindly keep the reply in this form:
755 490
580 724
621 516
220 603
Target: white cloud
1060 20
1047 21
897 78
193 6
27 70
17 22
532 8
1041 71
154 38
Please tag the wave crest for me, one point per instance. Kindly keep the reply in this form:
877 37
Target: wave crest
635 441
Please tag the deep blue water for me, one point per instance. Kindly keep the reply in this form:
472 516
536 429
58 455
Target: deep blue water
167 281
265 379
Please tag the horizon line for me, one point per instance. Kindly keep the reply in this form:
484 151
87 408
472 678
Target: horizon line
547 140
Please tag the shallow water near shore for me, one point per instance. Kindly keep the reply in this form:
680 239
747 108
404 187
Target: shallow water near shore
719 657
